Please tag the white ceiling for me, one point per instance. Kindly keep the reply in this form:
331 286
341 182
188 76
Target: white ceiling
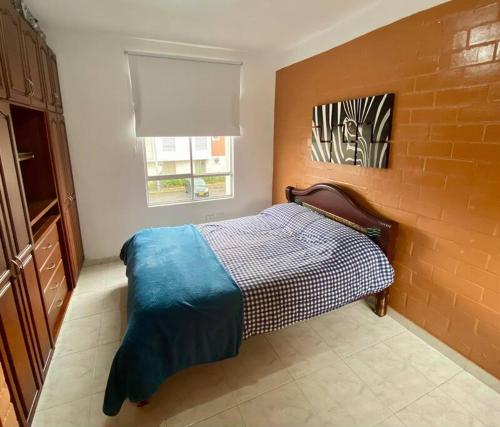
239 24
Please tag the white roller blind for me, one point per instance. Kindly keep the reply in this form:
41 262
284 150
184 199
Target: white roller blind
176 96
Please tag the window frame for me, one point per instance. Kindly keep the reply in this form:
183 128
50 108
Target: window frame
190 176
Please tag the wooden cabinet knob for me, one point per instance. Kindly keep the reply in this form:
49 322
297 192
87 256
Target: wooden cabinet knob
16 266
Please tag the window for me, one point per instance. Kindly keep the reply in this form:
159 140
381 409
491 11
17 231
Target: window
200 143
168 144
187 169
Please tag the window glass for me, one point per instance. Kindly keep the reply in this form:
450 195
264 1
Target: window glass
184 169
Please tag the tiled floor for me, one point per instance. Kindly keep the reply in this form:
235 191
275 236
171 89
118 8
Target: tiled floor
346 368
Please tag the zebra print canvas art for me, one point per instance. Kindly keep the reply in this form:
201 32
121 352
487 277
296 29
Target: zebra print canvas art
353 132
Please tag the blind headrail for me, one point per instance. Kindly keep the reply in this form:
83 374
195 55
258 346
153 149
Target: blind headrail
183 57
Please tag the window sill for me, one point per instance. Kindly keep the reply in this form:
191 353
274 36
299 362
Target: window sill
189 202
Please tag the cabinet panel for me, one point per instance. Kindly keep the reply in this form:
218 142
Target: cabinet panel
66 191
76 243
55 79
27 294
13 54
3 83
12 182
14 343
36 307
33 68
58 305
48 75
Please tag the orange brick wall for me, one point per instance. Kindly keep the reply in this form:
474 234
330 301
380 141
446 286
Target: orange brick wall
443 180
7 412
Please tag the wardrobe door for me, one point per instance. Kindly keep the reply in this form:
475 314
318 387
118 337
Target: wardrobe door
20 341
76 240
18 227
55 79
77 244
13 54
48 77
3 84
15 355
66 191
28 279
33 67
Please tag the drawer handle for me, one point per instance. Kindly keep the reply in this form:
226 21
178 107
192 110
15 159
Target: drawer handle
47 247
51 266
54 286
59 302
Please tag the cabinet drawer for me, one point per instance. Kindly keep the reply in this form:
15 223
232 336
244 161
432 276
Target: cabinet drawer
48 269
57 304
50 291
46 244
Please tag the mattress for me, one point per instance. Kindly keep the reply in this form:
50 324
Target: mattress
292 263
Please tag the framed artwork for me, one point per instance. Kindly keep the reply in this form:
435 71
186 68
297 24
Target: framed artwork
353 132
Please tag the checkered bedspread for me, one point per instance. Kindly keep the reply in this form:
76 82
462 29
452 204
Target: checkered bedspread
292 264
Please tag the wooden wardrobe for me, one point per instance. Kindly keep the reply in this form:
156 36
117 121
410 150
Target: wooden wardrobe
40 242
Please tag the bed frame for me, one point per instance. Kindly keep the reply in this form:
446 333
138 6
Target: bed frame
334 202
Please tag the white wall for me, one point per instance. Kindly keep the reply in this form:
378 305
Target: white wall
108 161
378 14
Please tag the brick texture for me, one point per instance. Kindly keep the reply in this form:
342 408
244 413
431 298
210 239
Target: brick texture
443 180
7 412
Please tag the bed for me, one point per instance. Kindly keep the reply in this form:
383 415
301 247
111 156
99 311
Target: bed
195 292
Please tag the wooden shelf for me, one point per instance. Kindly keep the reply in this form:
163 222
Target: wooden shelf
39 208
25 156
43 226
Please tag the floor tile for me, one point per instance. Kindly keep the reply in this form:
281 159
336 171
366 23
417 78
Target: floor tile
104 356
423 357
92 279
256 370
292 377
97 417
70 378
437 409
88 332
78 335
301 349
354 328
198 394
189 397
341 396
93 303
476 397
282 407
230 418
73 414
112 325
393 421
115 274
390 376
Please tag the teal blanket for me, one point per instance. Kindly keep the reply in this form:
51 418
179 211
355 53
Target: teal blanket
183 310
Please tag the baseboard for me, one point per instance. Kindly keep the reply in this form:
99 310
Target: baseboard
99 261
447 351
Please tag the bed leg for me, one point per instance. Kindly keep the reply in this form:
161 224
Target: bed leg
381 304
143 403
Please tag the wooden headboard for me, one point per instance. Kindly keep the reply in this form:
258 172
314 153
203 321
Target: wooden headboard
332 201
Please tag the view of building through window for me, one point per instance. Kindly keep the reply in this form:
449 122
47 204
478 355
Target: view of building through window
184 169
